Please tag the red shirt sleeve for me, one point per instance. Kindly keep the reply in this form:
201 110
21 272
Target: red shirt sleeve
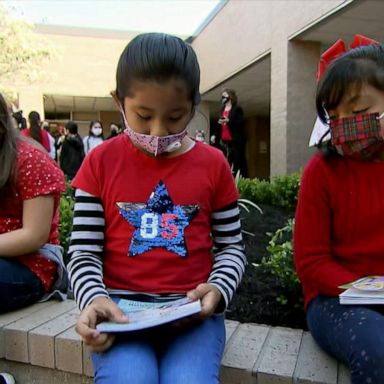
318 271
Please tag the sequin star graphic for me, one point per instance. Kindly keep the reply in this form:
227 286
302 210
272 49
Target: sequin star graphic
158 223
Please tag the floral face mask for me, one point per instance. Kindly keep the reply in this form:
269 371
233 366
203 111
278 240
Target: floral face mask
152 144
361 135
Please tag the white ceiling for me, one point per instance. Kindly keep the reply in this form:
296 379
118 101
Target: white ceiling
365 17
252 86
59 103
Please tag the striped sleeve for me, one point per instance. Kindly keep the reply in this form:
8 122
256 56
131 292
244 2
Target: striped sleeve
86 248
229 255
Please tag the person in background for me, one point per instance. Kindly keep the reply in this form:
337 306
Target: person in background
95 136
20 120
232 135
31 264
52 142
114 130
200 136
182 195
35 131
72 151
339 226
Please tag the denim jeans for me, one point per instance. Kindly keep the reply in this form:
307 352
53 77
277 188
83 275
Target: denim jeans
19 287
353 334
164 355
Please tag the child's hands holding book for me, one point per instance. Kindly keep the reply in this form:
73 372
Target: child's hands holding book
210 297
100 309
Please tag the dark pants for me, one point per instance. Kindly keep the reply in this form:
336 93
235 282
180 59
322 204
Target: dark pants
353 334
19 287
235 154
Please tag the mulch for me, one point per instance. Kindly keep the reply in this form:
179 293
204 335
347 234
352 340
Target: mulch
256 298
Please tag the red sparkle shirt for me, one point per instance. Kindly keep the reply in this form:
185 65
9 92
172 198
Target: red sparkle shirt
37 175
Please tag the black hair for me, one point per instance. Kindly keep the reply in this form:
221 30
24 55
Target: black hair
91 124
34 125
20 120
72 127
158 57
361 65
232 95
8 150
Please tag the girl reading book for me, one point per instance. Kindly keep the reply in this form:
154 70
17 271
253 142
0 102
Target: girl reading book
339 227
150 204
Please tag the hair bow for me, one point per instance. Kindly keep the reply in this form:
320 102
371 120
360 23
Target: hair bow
338 49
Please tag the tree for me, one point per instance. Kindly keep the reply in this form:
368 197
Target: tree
23 54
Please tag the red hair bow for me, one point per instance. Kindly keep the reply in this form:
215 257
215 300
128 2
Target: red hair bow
338 49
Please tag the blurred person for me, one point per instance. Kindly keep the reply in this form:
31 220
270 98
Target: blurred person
52 142
95 136
35 131
72 151
20 120
114 130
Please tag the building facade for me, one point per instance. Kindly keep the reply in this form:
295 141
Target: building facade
266 50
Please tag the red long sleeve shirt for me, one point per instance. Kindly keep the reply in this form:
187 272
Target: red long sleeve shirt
339 225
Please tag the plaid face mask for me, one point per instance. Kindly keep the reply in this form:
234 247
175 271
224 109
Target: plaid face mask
360 135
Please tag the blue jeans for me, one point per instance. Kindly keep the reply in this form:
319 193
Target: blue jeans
353 334
164 355
19 287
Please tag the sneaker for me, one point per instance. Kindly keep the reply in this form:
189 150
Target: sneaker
6 378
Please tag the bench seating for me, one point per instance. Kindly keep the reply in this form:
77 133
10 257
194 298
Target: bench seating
39 345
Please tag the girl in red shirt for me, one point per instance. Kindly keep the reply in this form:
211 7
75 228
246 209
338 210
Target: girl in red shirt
30 187
156 216
36 132
339 227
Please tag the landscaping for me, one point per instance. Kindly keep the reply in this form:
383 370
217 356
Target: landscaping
270 292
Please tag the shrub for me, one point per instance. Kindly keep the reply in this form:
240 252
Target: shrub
280 263
66 216
281 191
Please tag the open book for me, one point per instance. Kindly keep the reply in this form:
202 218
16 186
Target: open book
367 290
147 314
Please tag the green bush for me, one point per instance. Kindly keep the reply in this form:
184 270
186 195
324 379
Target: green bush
280 263
66 216
281 191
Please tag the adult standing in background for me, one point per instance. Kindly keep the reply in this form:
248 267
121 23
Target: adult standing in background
35 131
95 136
232 135
72 151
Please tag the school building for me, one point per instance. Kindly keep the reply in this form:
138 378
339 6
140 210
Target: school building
266 50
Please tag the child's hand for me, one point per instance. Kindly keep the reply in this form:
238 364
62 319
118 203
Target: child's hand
101 309
210 298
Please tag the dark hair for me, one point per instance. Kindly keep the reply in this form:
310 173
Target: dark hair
361 65
92 123
158 57
72 127
34 125
8 148
20 120
232 95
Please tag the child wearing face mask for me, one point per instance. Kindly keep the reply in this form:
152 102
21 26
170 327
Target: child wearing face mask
151 205
95 136
339 226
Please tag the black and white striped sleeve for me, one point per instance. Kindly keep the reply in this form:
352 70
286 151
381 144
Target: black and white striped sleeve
86 248
229 255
